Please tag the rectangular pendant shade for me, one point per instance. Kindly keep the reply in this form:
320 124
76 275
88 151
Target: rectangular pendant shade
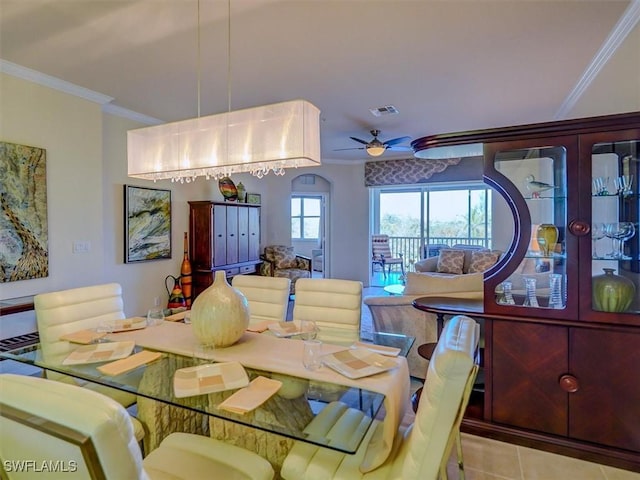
256 140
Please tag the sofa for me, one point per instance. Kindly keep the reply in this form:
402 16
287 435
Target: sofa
455 275
396 313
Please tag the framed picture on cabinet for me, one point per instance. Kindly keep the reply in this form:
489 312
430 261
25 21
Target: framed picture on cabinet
253 198
147 224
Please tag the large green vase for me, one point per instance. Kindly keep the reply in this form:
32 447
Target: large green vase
611 292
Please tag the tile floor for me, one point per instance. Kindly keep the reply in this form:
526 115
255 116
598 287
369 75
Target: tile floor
485 459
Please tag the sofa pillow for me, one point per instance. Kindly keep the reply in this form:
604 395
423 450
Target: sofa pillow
483 260
450 261
434 283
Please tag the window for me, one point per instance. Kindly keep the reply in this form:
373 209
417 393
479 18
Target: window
419 220
305 217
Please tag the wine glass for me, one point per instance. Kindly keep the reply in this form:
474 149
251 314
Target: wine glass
625 232
597 232
619 232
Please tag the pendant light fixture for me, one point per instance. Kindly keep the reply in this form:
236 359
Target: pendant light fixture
255 140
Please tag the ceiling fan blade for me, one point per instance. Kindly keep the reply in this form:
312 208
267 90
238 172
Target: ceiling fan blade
400 148
341 149
364 142
395 141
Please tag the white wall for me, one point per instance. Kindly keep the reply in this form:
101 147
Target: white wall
86 171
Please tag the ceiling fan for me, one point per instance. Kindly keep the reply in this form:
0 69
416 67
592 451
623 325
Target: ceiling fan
375 147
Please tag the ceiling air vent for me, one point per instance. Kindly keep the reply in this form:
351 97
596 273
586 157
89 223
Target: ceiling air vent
386 110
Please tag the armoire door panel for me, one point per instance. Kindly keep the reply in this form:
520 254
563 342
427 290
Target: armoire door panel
219 235
254 234
243 234
606 407
527 361
232 235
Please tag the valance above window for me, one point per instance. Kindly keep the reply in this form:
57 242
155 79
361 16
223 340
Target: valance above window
409 171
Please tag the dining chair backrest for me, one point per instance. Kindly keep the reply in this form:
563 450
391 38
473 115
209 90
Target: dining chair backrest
420 450
445 394
45 422
84 434
268 297
334 305
68 311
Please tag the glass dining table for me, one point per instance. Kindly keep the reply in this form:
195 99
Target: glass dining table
287 413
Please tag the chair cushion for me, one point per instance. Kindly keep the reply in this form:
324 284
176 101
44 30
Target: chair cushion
282 255
482 260
433 284
183 455
450 261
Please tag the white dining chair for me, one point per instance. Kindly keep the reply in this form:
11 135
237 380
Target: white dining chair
67 311
334 305
268 297
90 436
423 449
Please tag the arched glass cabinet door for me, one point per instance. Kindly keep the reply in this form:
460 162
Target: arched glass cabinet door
533 182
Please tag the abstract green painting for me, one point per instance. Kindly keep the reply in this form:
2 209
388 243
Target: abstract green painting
24 233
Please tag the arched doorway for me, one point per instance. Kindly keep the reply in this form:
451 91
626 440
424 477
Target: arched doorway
310 196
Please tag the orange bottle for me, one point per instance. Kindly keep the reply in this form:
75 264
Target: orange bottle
185 273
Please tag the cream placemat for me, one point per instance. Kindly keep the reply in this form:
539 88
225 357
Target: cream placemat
260 327
125 365
252 396
84 337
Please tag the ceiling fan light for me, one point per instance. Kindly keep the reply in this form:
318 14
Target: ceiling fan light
375 150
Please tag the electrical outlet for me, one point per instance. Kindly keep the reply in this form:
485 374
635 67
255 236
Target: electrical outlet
81 246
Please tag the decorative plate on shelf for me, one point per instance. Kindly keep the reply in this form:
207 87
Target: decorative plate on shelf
228 189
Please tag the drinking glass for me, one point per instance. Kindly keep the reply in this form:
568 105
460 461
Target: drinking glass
155 316
308 330
597 232
312 351
106 327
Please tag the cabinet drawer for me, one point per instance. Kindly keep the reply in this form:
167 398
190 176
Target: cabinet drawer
247 269
232 271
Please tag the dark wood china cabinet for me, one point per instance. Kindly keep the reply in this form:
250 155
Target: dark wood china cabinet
562 306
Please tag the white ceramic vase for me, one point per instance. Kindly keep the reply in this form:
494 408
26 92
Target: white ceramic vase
220 314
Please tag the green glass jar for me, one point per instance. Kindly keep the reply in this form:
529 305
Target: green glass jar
611 292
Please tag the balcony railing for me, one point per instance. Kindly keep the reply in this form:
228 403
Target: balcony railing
415 248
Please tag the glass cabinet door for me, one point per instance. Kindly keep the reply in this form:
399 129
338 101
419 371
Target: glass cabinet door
614 236
538 178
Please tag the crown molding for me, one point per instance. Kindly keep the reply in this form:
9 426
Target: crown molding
34 76
113 109
625 25
55 83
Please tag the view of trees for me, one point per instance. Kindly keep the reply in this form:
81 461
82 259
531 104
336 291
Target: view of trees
456 213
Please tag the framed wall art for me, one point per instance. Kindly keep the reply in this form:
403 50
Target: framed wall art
253 198
147 224
24 235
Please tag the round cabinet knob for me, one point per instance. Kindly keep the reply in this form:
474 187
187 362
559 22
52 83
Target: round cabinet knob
579 228
569 383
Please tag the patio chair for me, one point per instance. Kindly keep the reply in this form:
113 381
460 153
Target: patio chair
381 255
